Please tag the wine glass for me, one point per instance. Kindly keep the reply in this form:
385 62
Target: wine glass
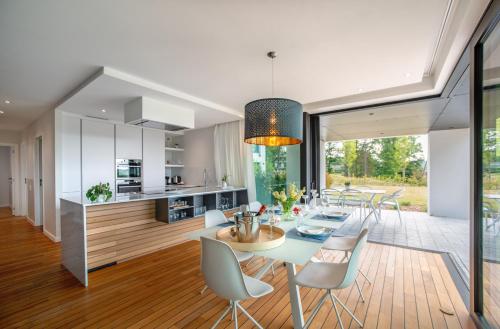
305 197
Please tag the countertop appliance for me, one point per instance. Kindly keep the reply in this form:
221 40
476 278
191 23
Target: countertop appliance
128 176
167 180
176 179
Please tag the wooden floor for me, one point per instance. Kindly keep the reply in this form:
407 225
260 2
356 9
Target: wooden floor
410 289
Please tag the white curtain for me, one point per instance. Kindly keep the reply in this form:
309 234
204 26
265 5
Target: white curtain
233 156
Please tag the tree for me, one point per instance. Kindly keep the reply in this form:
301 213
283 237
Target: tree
350 155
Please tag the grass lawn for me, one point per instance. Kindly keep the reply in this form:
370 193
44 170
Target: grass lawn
414 198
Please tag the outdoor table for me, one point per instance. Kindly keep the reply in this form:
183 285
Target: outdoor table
371 192
295 250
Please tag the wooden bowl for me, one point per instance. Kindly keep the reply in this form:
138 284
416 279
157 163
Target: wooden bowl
265 241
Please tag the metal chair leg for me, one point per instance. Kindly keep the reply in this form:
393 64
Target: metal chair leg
235 314
315 310
336 310
322 254
248 316
399 213
229 308
345 308
359 290
250 261
363 274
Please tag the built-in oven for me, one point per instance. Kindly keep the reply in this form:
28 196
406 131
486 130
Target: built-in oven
128 169
128 186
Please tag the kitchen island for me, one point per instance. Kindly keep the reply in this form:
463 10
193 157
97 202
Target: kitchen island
98 235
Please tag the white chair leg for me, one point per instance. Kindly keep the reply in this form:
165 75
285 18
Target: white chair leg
203 290
336 310
399 213
250 261
363 274
322 254
229 308
249 316
272 269
235 314
315 310
345 308
359 290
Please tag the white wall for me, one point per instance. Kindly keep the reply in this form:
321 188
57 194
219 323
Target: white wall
10 137
5 172
199 154
448 173
44 127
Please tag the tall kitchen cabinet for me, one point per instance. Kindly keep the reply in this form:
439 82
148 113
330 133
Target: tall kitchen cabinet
153 161
128 142
98 154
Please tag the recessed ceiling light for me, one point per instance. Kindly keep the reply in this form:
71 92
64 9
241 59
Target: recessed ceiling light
7 101
2 112
103 110
360 90
407 74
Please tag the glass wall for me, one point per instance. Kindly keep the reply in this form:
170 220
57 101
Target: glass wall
275 168
490 225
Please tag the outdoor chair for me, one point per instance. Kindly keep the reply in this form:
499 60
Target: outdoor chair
390 200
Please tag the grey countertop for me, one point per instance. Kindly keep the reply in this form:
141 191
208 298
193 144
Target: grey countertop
153 195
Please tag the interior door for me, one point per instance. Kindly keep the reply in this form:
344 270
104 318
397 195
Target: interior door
486 230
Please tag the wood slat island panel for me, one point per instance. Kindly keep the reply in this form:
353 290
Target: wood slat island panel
119 232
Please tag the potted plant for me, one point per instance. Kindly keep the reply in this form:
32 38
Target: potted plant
225 180
287 201
347 185
99 193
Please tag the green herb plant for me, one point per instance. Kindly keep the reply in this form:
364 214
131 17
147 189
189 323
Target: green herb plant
99 189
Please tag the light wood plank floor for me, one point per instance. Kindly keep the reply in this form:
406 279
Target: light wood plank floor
410 289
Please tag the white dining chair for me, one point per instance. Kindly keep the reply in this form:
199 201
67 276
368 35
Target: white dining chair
330 276
217 217
223 275
346 243
391 200
255 206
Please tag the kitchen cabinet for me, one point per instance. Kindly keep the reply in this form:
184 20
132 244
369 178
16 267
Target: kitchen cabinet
128 142
153 161
98 154
71 154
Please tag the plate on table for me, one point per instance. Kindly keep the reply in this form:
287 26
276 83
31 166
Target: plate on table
313 231
335 214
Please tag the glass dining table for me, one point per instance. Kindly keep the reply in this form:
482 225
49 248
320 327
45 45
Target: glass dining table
296 250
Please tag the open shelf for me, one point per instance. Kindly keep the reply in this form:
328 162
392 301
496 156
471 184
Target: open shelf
175 149
174 166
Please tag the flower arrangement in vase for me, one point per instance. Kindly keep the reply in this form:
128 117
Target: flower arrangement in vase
287 201
225 180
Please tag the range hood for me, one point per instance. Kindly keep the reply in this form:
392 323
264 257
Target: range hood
148 112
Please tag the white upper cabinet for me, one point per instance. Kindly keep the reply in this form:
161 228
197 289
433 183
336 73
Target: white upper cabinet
71 155
98 154
128 142
153 162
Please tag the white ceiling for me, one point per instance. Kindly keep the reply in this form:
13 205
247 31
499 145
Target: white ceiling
215 50
413 118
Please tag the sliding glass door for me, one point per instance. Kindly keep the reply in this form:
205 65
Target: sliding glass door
486 238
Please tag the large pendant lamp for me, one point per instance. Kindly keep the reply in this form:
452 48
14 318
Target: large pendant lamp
273 121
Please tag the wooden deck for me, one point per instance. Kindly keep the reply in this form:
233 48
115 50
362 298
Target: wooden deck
410 290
